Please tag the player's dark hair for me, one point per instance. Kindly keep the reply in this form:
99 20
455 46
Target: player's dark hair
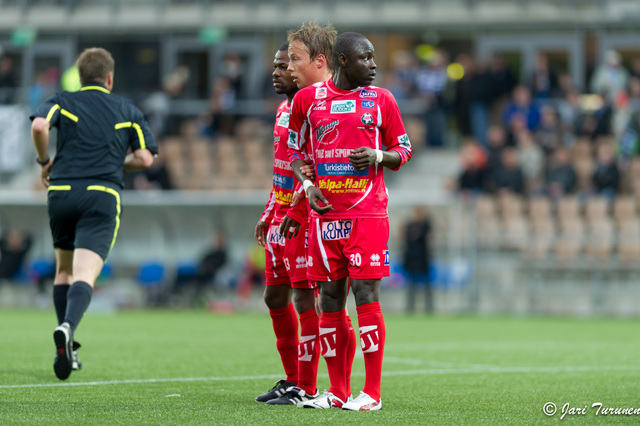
318 40
283 48
94 65
344 43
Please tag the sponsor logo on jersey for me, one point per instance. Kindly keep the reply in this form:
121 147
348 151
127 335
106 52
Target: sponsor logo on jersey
336 230
339 169
320 132
276 141
284 182
375 259
343 107
321 92
385 252
347 185
320 106
274 238
368 104
284 197
294 140
404 141
366 119
364 93
283 120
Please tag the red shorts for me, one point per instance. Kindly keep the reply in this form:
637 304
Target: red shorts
356 248
286 259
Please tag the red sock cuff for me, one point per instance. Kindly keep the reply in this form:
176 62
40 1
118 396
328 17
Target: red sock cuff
369 308
308 314
334 316
281 311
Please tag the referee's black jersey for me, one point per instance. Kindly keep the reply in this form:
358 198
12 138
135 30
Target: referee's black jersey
95 130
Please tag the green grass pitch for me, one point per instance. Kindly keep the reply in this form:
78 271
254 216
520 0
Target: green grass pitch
177 367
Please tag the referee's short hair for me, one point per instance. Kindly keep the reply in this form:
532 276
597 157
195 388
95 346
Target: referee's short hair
94 65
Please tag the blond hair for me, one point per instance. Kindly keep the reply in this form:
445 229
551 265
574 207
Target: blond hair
318 40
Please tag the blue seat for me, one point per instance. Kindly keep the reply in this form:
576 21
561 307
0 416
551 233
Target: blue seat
151 274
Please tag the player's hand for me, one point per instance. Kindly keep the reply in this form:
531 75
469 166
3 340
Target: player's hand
362 158
308 170
315 195
44 174
261 233
289 227
297 196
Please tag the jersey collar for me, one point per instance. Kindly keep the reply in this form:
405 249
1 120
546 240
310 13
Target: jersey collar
95 86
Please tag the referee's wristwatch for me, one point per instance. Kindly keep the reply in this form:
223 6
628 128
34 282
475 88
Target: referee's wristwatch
43 163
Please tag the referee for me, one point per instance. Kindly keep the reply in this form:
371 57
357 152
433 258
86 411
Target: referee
100 135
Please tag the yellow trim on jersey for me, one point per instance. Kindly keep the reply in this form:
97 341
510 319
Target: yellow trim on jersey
52 111
59 187
143 145
102 89
115 194
68 115
138 129
123 125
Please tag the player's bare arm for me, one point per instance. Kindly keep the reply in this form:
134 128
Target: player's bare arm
40 136
362 158
260 233
289 227
140 159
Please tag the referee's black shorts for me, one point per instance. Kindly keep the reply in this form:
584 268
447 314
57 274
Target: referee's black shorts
84 215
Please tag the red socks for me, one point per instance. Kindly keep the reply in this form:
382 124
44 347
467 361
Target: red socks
285 326
334 337
308 351
351 353
372 337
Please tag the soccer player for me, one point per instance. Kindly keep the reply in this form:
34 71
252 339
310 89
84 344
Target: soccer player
96 129
286 266
310 55
348 124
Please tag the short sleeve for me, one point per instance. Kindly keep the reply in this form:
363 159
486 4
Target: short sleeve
141 136
49 110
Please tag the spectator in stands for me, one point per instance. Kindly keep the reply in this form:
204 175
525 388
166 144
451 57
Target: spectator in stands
8 81
569 113
481 99
507 178
463 94
549 133
402 75
473 160
431 82
156 176
610 78
606 177
635 68
561 176
14 246
210 264
543 81
532 161
597 122
496 139
221 119
521 104
417 257
502 84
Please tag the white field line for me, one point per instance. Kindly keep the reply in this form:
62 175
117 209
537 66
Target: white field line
469 370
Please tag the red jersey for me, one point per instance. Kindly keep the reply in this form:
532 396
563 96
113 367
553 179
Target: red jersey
284 181
334 122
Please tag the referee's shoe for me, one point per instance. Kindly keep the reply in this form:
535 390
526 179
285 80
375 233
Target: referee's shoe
63 363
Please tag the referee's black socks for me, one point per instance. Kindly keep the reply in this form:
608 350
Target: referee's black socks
60 300
78 299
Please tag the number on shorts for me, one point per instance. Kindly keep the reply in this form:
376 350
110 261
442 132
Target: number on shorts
356 259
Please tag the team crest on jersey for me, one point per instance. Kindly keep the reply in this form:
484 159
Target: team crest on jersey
321 92
368 104
326 133
283 120
366 119
293 140
336 230
364 93
404 141
343 107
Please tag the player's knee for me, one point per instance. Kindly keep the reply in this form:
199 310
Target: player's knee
274 298
303 300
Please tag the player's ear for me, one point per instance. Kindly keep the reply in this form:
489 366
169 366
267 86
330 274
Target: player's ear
320 60
110 81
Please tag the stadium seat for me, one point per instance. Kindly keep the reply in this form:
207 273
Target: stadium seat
151 277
